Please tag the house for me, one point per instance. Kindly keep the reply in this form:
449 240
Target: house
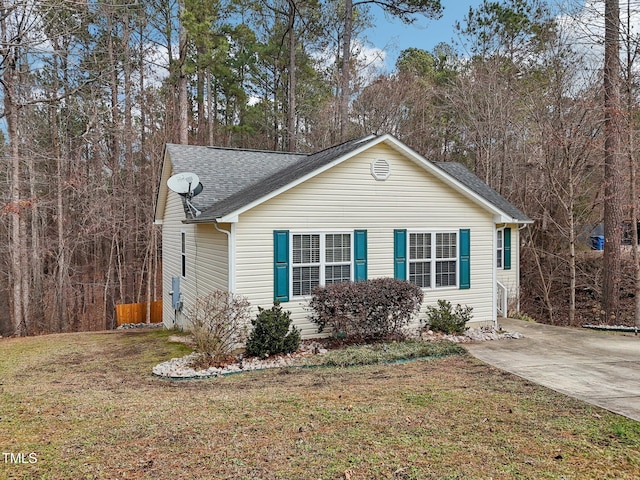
271 226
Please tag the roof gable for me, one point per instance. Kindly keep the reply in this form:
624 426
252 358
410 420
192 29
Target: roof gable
237 180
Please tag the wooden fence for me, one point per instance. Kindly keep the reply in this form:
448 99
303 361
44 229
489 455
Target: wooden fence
137 312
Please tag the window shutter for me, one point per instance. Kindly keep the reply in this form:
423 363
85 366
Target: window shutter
400 254
465 254
360 255
507 249
281 265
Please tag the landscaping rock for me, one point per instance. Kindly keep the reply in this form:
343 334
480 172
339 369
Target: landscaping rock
181 368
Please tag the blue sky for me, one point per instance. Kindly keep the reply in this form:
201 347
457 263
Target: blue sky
393 36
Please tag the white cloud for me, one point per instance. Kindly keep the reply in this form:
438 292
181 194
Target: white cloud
583 29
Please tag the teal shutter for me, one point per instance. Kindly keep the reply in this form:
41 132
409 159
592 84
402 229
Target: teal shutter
506 240
281 265
360 255
400 254
465 254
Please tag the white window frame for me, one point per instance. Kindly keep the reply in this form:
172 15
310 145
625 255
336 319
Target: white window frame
425 260
433 260
500 248
183 254
322 264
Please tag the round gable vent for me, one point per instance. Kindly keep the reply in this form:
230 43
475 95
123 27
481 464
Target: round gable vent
380 169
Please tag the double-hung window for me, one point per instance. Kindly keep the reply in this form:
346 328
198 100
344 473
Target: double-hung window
420 259
433 259
319 259
446 259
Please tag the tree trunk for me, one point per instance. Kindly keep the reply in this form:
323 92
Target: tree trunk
183 108
612 161
9 83
572 252
345 74
291 103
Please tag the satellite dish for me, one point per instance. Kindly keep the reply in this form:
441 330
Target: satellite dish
184 183
198 189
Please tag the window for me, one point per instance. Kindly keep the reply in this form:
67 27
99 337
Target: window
499 248
306 263
420 259
446 259
319 259
183 254
433 259
337 258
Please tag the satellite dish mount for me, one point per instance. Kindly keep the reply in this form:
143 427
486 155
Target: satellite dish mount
187 185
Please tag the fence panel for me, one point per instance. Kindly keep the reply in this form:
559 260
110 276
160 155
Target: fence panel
137 312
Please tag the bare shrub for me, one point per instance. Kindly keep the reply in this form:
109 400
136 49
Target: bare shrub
219 324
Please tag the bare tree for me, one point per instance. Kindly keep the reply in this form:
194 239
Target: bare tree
402 9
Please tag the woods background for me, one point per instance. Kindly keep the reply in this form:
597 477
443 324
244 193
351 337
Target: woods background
92 90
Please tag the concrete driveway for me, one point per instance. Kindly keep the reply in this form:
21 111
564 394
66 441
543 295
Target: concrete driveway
597 367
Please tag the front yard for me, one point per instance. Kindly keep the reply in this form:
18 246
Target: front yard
86 406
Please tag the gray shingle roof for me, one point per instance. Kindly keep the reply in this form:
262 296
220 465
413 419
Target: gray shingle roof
225 171
471 181
233 178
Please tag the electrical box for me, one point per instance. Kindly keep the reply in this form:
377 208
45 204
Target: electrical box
176 295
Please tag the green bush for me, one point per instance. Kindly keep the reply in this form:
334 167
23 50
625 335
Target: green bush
272 334
370 310
447 320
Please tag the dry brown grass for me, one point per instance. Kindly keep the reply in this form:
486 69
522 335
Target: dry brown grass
88 407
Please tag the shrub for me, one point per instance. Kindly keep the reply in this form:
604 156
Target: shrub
272 334
365 311
445 319
218 323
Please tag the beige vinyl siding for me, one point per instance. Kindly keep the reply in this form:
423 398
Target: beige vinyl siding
212 259
347 197
511 278
206 259
171 255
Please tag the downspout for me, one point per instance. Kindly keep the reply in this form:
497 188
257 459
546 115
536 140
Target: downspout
231 255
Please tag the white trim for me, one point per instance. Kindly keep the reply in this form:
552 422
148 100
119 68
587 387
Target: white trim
499 215
163 191
494 282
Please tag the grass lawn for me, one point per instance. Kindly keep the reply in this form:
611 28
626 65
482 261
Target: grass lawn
86 406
